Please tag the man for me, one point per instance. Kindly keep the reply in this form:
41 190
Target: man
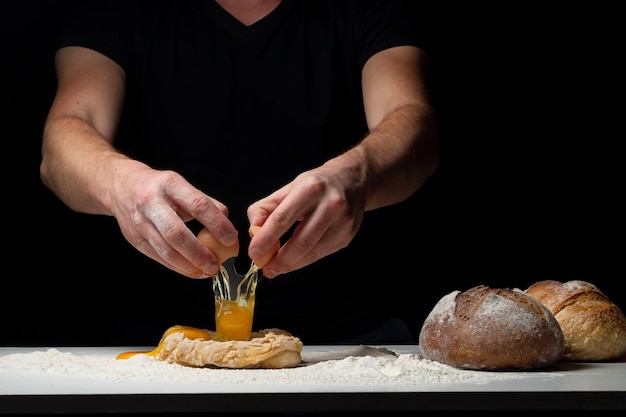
296 116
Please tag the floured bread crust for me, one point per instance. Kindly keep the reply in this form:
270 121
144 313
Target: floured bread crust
594 326
487 328
269 348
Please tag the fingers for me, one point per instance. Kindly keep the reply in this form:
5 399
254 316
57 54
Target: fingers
331 241
276 213
172 245
324 219
151 244
157 226
319 234
212 213
264 259
315 206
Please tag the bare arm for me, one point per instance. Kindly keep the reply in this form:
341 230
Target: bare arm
77 149
400 152
83 168
395 158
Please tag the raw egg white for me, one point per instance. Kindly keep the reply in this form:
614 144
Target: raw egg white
233 321
233 318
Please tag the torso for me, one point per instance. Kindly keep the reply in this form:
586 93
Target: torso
281 80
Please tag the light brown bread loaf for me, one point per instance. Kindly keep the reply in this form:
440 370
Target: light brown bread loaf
487 328
594 327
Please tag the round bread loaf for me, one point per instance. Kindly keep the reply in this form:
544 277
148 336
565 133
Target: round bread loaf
487 328
594 327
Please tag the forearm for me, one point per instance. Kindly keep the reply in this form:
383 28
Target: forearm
395 158
79 165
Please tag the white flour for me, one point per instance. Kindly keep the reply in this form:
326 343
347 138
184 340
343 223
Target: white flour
351 367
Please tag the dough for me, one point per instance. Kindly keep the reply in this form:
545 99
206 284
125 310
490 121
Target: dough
491 329
594 327
269 348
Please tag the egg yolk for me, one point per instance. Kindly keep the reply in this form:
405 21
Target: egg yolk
233 321
190 332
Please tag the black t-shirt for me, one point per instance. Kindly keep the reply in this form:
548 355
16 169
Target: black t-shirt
239 111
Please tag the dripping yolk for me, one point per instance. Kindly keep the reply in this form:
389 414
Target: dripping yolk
233 321
222 252
189 332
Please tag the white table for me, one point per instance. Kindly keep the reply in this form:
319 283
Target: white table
579 386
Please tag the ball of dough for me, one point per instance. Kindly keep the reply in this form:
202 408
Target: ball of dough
487 328
594 327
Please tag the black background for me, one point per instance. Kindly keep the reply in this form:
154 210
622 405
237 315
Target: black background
530 187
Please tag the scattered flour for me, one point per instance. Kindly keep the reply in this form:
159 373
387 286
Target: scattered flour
361 367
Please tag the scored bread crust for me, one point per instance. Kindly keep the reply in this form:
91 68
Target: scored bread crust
487 328
594 327
269 348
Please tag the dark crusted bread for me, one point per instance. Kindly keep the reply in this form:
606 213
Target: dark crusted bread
487 328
